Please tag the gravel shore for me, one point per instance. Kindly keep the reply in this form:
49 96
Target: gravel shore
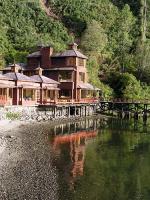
26 170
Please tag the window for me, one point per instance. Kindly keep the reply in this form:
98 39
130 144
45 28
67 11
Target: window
86 93
58 61
65 76
2 91
65 94
50 94
81 77
29 94
80 62
70 61
10 93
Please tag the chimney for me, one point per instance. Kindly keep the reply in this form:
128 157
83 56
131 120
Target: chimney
46 53
73 46
39 71
14 68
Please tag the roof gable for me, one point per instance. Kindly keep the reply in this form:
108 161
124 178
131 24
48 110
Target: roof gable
34 54
70 53
2 77
18 77
44 79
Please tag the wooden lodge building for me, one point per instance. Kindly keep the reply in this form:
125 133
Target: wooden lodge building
48 78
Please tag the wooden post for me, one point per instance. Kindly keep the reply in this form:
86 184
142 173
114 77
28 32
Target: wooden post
61 111
69 111
80 111
41 96
75 111
85 111
55 112
144 116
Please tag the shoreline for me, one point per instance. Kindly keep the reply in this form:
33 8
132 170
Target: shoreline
9 125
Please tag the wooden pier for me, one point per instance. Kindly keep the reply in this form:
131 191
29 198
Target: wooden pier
70 110
125 109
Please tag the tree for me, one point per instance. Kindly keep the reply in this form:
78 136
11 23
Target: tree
94 39
125 85
121 36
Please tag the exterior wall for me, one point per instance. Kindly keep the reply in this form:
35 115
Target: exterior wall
64 61
51 74
33 62
80 62
67 85
58 62
46 52
45 113
29 72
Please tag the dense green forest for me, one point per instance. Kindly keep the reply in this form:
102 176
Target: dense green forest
115 34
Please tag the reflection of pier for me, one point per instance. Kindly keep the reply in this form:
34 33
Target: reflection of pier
74 127
73 144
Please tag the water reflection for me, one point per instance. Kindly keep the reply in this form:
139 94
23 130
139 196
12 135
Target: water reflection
72 139
102 159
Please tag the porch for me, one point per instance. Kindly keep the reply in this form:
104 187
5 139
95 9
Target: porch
47 96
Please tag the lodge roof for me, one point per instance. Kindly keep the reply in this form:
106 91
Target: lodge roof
61 69
87 86
70 53
34 54
21 66
44 79
2 77
18 77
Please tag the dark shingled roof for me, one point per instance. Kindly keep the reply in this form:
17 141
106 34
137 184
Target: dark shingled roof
87 86
43 79
61 69
70 53
34 54
2 77
18 77
21 66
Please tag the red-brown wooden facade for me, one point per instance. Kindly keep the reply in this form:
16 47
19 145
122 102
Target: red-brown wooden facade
68 68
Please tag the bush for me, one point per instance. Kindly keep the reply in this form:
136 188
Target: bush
12 116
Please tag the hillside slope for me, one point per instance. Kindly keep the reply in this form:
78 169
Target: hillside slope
113 33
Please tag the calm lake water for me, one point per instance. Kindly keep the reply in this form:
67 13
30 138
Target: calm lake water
102 159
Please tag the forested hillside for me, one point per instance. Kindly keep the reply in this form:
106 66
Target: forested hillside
115 34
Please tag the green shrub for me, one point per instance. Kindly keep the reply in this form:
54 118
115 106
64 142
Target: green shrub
12 116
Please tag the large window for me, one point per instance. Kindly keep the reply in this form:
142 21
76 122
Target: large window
65 94
29 94
80 62
86 94
10 93
65 76
3 91
81 77
58 61
51 94
71 61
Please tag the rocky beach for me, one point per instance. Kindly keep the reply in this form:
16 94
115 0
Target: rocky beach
26 170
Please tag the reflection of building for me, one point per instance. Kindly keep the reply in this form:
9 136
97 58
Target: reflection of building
75 144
